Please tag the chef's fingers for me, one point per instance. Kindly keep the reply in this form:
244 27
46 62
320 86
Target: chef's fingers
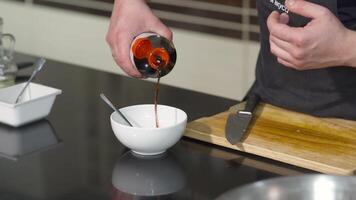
284 18
161 29
306 9
121 53
280 53
286 46
286 58
281 30
285 63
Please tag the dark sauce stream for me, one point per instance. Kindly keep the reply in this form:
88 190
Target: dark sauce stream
156 100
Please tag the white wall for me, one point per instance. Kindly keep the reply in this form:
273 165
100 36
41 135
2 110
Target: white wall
206 63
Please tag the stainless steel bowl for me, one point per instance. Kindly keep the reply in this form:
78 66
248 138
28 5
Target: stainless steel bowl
311 187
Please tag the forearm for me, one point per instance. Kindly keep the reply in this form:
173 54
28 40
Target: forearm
350 51
118 3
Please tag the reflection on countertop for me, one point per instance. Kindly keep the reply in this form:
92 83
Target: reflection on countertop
32 138
151 177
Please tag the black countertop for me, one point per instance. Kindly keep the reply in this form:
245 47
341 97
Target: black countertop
73 154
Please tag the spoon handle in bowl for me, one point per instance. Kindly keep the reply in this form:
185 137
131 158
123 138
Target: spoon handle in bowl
39 64
107 101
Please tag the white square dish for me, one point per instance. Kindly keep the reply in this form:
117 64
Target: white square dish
35 104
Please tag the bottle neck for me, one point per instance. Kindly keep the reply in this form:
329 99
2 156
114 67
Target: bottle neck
158 58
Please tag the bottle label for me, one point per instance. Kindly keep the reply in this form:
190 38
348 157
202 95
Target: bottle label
142 35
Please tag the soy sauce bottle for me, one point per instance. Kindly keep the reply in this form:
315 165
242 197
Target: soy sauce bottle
153 55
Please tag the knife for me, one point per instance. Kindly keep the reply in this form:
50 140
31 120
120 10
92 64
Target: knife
237 123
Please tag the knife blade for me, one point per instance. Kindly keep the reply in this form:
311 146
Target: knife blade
237 123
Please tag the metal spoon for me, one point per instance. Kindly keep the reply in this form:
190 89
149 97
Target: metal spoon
107 101
38 66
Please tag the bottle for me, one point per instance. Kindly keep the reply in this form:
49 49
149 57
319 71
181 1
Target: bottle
153 55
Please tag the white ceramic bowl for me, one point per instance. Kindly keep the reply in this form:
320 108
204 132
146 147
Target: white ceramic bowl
144 138
35 104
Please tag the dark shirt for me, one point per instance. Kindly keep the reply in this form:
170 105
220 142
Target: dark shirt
347 11
329 92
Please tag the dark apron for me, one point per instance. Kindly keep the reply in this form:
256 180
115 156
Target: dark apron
329 92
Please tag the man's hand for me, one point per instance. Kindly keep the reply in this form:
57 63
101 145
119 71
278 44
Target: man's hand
129 19
323 42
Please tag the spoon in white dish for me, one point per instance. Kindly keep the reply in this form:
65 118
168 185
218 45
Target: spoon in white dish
38 66
107 101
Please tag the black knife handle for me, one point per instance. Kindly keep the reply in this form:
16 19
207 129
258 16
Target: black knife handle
251 102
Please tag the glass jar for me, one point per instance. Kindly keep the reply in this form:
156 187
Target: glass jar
8 68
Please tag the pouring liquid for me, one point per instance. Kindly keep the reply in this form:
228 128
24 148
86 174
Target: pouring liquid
154 56
156 101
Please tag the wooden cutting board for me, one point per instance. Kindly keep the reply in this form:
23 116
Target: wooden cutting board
325 145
